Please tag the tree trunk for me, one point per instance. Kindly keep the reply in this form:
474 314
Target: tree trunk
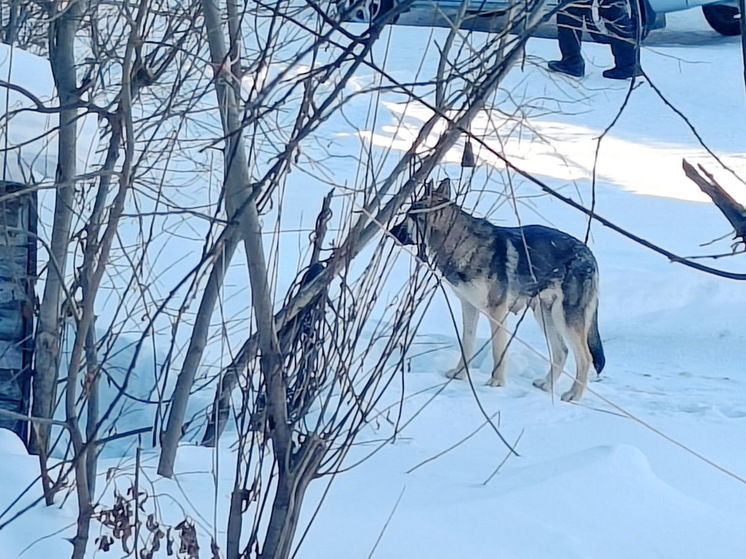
292 483
62 59
742 9
172 434
14 22
284 519
92 407
242 209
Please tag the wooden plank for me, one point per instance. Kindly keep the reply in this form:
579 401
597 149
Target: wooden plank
13 261
14 255
14 306
17 277
11 399
10 383
11 355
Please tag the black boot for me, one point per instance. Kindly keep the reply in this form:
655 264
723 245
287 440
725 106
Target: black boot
576 70
617 73
568 37
625 61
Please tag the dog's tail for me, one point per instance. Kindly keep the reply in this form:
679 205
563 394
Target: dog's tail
595 345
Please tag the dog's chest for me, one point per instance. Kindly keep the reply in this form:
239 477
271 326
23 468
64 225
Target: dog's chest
475 279
477 292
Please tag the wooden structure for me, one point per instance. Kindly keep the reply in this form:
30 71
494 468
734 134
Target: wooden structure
17 280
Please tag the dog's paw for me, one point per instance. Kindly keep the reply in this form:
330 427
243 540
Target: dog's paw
457 373
495 382
543 384
572 395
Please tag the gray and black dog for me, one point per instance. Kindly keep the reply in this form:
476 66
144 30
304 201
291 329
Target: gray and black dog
498 270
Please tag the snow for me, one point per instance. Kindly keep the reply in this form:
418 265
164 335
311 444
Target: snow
565 507
651 463
25 128
34 153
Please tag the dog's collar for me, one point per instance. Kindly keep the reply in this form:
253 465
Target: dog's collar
432 208
422 251
421 245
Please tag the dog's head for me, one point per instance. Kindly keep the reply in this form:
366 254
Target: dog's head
410 230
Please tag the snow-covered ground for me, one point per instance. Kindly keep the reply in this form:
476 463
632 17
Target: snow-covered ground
651 463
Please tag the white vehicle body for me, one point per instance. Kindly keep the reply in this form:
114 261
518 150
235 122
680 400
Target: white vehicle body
489 15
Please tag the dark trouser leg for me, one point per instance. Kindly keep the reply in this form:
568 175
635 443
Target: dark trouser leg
622 32
625 54
569 30
569 24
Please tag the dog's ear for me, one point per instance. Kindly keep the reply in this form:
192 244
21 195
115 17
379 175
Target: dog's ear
444 189
429 188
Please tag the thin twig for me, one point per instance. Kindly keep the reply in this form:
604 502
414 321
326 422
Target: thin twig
502 463
454 445
386 524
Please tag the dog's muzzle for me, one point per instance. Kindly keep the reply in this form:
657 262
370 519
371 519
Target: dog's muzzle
401 233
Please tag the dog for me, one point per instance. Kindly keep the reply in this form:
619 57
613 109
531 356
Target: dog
498 270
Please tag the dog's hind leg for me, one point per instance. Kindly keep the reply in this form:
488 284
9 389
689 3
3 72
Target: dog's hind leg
578 335
557 346
470 316
499 347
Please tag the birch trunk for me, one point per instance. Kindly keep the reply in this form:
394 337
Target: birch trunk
62 59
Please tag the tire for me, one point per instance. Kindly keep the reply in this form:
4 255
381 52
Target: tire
371 11
385 7
726 20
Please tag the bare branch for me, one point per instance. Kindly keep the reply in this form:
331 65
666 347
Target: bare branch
734 212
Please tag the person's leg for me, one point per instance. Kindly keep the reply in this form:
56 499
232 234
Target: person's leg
569 34
622 29
625 60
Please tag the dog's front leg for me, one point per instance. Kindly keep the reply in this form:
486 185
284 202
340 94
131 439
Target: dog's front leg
499 348
470 316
